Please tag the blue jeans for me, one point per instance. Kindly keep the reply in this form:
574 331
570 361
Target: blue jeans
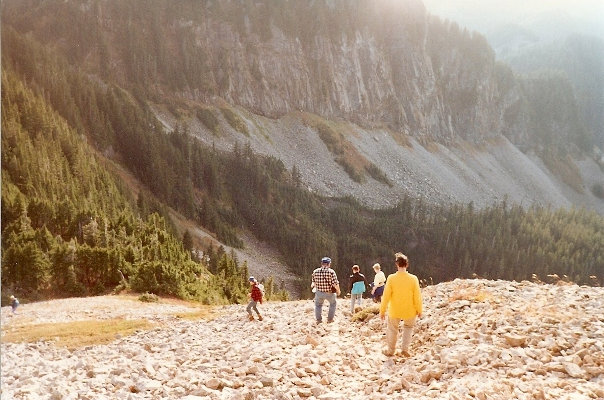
320 297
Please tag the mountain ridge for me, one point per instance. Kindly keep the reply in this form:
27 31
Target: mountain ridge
300 193
373 63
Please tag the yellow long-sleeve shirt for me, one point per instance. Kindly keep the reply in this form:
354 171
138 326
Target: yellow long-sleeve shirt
402 296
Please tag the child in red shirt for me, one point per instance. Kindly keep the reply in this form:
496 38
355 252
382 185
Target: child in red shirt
255 296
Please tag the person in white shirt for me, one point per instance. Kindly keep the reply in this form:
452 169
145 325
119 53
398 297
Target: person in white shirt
378 283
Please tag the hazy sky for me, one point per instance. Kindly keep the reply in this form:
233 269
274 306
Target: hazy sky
482 15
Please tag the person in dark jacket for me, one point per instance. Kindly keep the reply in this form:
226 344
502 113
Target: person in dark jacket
255 296
358 285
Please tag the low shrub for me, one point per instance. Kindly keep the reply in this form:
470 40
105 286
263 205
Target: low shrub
366 313
148 298
234 120
598 190
208 119
376 173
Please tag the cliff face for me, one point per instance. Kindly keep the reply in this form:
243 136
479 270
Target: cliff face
375 63
396 67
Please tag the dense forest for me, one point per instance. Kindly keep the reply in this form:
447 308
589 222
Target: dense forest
66 226
70 228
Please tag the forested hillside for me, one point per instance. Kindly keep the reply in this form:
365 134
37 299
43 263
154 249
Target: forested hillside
69 227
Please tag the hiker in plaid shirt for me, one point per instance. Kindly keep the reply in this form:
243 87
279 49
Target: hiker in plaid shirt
255 296
327 287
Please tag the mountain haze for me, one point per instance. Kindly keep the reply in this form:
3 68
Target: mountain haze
537 38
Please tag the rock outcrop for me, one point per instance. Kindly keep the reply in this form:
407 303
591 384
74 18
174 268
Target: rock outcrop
375 63
478 339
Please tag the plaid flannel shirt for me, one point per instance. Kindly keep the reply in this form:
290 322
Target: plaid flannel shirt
324 278
256 294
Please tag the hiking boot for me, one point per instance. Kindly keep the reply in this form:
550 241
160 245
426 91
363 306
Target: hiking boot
329 321
251 317
387 353
405 353
260 317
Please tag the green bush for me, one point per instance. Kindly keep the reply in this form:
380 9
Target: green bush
598 190
148 298
208 119
366 313
235 121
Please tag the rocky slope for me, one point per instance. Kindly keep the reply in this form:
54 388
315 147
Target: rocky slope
460 173
478 339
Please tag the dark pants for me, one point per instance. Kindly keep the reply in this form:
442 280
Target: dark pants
377 295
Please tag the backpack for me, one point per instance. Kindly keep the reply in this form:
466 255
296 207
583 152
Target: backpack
358 287
261 287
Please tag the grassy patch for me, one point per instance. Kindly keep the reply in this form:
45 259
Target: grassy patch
473 295
401 138
430 145
75 334
354 173
376 173
365 313
334 137
234 120
565 169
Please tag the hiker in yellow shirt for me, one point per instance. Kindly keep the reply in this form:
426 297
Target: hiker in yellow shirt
403 300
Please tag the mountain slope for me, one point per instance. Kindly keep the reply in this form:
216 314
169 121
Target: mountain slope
147 91
459 173
68 226
379 69
535 37
477 339
578 58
